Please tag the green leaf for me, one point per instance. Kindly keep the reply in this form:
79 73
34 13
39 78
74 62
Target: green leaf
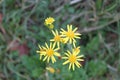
99 4
36 72
32 62
96 68
93 45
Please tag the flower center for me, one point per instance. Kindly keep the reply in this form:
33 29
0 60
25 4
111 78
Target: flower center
49 21
50 52
70 34
72 58
57 38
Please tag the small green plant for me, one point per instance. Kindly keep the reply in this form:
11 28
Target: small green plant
61 39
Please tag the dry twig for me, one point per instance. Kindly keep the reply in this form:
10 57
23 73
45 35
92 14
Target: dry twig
87 30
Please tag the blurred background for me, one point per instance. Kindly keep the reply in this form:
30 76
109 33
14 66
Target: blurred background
22 29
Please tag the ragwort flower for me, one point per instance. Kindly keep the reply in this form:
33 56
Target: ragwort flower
51 70
73 59
70 35
49 22
57 38
49 52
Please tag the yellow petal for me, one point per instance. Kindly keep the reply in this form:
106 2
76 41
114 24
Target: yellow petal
70 66
50 45
74 41
62 30
45 58
73 67
57 54
77 34
75 29
39 46
57 32
66 54
51 39
77 37
66 62
53 59
37 51
70 41
77 64
69 52
56 49
48 59
64 57
53 45
70 27
80 56
58 44
53 33
40 57
44 48
80 59
46 45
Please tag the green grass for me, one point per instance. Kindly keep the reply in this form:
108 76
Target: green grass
23 22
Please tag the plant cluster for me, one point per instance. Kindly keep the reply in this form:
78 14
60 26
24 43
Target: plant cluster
49 52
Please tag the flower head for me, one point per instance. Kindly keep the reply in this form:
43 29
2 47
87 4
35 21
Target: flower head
57 38
73 59
76 49
70 35
49 22
50 69
49 52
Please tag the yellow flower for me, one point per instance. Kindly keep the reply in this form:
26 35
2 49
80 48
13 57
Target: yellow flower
70 35
50 52
73 59
51 26
51 70
76 49
40 51
49 22
57 38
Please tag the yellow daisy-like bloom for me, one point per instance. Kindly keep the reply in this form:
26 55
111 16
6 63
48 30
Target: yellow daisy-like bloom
49 52
51 70
70 35
73 59
57 38
40 51
49 22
